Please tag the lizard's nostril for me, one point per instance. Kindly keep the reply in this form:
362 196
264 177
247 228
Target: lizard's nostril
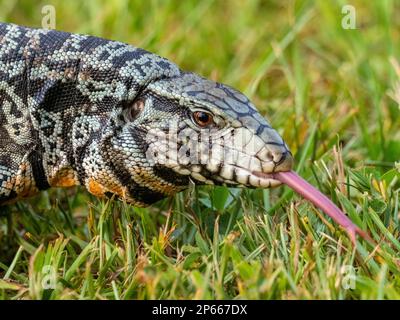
275 160
275 156
283 161
269 155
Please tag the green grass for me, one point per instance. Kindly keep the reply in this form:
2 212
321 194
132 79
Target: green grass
334 95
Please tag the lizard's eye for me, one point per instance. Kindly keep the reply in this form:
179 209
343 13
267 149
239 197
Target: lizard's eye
136 108
202 118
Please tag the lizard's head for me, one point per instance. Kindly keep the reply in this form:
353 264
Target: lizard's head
187 128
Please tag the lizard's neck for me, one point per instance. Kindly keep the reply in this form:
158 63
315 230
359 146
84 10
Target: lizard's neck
62 176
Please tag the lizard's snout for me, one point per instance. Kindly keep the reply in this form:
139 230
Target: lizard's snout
285 162
275 157
281 159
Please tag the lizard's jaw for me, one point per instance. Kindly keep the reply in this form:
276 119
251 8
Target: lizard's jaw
243 171
236 176
243 158
230 157
258 174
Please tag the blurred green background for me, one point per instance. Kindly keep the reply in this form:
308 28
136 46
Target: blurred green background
334 95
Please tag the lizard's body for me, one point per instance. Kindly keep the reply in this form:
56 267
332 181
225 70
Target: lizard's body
75 109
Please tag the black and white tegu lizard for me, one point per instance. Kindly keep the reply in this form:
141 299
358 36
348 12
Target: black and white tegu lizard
81 110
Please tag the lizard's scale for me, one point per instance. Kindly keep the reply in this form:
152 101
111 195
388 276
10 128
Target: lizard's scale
66 119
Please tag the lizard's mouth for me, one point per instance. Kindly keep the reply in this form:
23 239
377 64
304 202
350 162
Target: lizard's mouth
263 180
266 178
236 176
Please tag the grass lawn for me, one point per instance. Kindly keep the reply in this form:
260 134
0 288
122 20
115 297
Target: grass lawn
333 94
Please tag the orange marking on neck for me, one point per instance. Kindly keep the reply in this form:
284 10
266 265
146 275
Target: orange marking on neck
96 188
64 178
63 182
119 191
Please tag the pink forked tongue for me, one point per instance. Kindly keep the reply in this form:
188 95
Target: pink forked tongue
302 187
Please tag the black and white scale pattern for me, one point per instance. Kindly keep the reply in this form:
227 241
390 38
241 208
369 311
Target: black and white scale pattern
66 119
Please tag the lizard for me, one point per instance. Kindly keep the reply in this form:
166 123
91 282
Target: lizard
82 110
